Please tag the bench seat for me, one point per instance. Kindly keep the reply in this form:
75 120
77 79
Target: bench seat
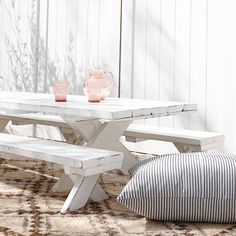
184 140
41 119
34 118
82 165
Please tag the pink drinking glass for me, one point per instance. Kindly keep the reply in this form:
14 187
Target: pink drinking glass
60 90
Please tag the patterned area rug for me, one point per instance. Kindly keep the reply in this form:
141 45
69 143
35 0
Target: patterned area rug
27 207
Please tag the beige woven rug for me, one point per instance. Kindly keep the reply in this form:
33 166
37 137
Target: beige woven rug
27 207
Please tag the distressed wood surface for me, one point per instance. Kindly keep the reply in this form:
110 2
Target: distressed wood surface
57 152
80 193
33 118
82 165
205 140
111 108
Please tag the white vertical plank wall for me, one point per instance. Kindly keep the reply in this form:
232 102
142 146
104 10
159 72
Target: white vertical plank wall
170 50
127 49
17 47
108 45
198 62
215 77
194 61
228 84
167 54
182 58
140 34
4 35
93 22
153 44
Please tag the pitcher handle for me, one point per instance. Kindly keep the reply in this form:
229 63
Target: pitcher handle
107 72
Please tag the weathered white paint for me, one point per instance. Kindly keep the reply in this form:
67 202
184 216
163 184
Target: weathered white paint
79 107
84 117
79 195
56 152
184 140
98 194
82 165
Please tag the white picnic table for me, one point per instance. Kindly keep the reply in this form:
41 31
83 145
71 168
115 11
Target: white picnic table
100 124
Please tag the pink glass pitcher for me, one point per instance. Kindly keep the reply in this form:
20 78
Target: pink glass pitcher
98 85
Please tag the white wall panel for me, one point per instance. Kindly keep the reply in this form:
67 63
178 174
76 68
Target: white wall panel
140 36
108 46
61 36
198 63
167 47
127 48
229 76
139 53
43 83
81 42
182 58
52 58
75 44
1 44
16 48
4 35
152 63
214 89
93 33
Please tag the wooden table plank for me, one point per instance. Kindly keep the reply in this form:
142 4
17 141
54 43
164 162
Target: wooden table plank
111 108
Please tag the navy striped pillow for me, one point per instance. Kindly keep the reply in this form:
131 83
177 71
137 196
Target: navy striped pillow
194 187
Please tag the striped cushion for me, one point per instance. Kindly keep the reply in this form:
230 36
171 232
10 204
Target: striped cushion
197 187
134 168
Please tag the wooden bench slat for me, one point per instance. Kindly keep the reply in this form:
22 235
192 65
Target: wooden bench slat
190 137
34 118
207 140
57 152
201 140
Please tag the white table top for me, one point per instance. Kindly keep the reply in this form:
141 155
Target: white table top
78 106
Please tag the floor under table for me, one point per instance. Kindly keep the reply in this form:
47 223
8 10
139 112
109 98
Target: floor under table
27 207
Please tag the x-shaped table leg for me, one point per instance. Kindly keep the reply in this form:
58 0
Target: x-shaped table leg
105 136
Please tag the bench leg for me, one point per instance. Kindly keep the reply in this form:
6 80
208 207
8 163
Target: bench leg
180 147
187 148
98 194
80 193
3 124
65 184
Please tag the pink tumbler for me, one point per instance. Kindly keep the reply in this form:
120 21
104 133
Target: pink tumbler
60 90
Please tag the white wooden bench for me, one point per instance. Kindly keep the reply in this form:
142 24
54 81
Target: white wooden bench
184 140
82 165
41 119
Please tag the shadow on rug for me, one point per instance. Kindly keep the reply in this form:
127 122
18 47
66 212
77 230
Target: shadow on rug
27 207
